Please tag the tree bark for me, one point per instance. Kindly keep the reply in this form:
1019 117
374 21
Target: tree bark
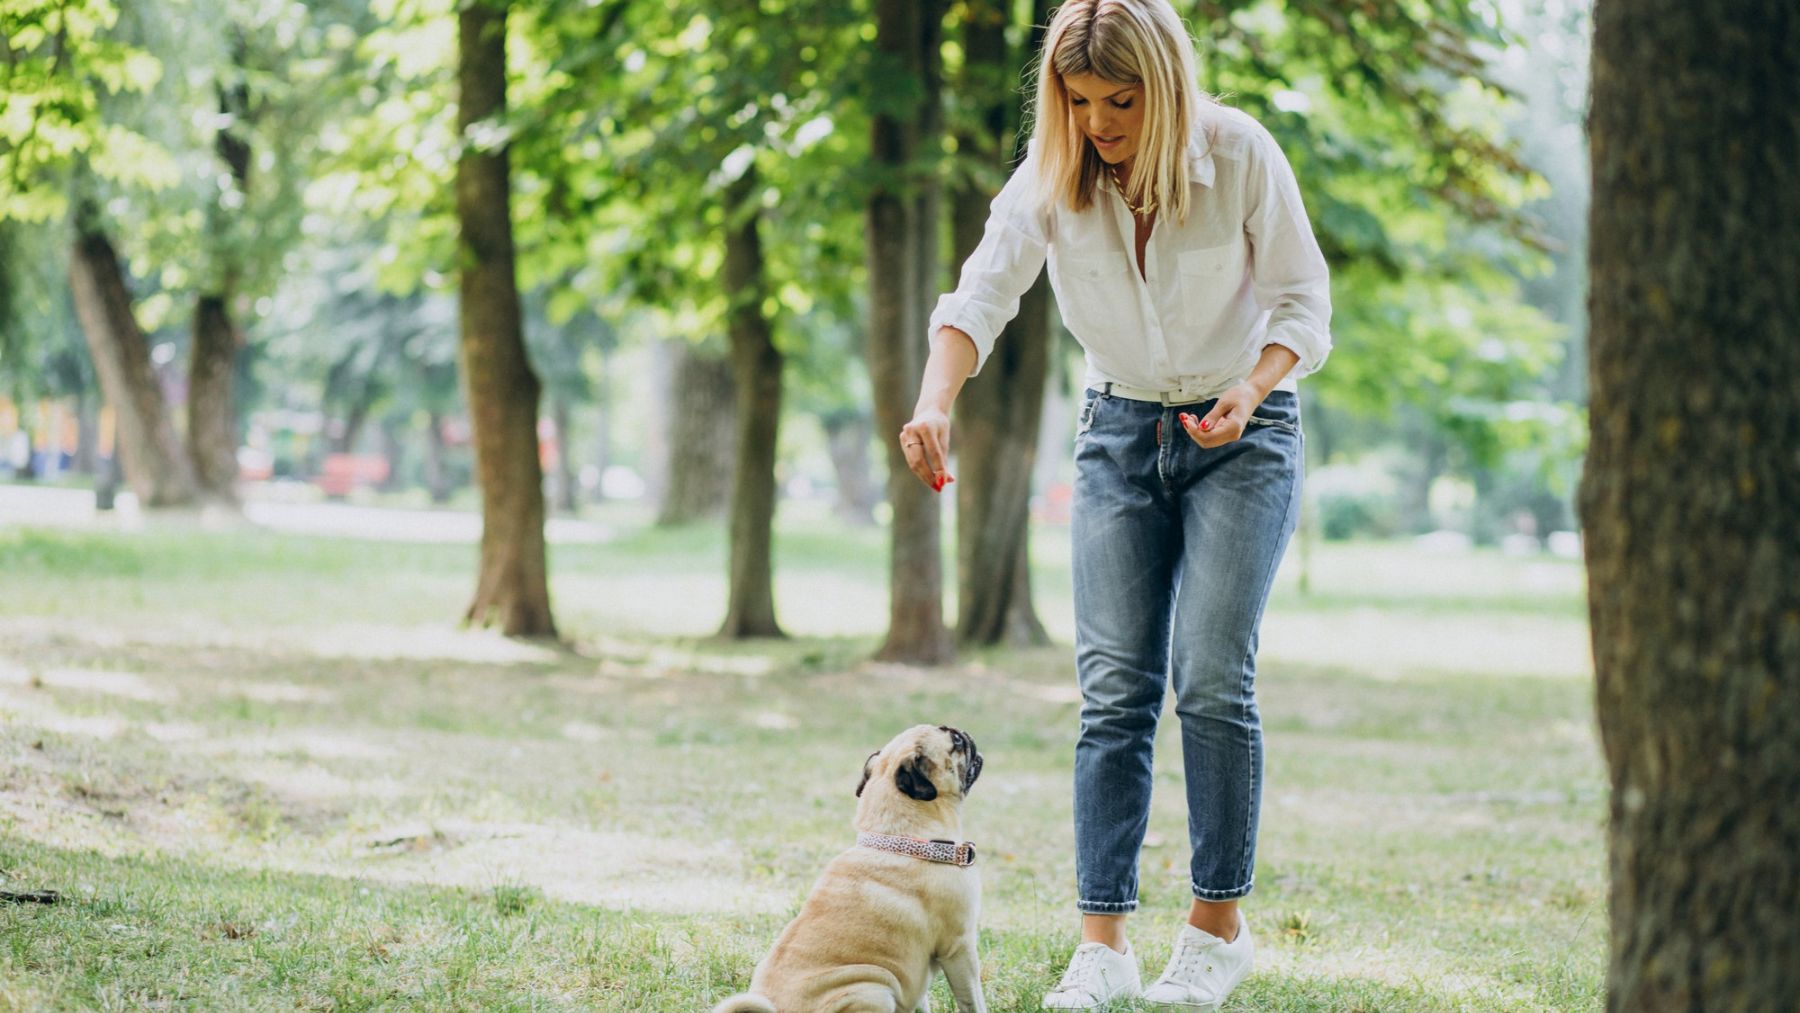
999 411
902 231
212 432
503 392
1688 500
756 367
154 463
212 436
702 403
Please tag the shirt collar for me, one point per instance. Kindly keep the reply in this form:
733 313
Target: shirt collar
1199 154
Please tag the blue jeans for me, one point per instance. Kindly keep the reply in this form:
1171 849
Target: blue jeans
1175 548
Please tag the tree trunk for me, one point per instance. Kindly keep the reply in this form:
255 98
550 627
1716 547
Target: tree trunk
756 368
566 501
155 466
702 403
847 442
87 432
602 424
212 437
393 449
437 474
355 394
212 432
999 411
1688 501
503 391
998 416
900 223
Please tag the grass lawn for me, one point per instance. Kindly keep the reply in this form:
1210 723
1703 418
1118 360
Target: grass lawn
267 771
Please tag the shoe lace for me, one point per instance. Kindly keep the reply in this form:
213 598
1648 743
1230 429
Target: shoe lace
1083 974
1193 958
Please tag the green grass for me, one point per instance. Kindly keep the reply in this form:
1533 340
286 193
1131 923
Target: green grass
269 772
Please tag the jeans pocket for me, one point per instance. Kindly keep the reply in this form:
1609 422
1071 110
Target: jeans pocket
1282 424
1085 421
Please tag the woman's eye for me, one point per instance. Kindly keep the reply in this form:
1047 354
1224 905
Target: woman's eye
1121 105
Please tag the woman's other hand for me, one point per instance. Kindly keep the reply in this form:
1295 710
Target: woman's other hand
926 443
1229 415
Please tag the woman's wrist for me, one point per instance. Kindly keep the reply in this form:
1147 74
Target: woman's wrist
1276 362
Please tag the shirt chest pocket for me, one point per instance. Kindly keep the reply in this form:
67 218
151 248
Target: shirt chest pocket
1210 279
1093 293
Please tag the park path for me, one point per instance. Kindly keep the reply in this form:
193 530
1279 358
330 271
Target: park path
37 506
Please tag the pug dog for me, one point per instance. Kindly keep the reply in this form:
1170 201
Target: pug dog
899 905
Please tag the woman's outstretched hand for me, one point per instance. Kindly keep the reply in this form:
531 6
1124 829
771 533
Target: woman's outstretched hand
1228 417
926 443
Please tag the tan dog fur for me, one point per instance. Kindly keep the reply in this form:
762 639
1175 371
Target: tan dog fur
877 924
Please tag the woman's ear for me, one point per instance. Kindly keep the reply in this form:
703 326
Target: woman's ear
913 778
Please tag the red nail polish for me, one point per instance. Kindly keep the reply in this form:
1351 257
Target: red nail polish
1206 425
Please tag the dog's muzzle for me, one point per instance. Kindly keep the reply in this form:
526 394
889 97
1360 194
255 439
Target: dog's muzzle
960 742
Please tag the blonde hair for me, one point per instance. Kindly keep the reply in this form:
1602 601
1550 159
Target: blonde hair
1140 42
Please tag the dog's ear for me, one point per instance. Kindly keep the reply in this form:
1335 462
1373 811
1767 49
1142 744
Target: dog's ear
913 780
868 768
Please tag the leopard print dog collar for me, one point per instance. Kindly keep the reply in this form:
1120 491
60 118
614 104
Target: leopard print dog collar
948 852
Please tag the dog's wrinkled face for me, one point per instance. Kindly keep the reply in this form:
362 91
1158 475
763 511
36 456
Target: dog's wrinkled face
925 761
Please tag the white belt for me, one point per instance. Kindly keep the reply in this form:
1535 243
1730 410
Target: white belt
1189 394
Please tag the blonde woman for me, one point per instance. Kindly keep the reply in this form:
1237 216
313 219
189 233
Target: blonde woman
1183 261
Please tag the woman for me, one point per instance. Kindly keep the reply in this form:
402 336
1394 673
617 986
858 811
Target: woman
1183 261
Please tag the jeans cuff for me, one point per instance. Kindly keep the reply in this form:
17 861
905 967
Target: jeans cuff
1231 894
1106 907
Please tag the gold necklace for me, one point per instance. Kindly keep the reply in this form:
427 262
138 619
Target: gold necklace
1139 211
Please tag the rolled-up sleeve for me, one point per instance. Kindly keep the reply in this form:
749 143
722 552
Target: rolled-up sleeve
1011 253
1287 269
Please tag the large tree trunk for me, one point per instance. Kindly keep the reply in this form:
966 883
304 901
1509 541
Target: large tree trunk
155 466
503 391
212 418
997 423
1693 536
756 367
702 405
212 433
900 220
999 411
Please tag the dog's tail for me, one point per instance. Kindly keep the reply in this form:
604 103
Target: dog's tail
748 1002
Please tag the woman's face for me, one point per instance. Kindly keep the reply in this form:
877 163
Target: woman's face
1109 113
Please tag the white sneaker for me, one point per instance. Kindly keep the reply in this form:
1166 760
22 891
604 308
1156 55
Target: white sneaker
1097 975
1203 969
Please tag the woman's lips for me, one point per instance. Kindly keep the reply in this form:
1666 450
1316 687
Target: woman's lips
1112 143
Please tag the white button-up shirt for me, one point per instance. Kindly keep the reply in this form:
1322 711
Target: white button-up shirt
1243 272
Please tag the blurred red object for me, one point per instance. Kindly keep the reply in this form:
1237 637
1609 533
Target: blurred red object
341 473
